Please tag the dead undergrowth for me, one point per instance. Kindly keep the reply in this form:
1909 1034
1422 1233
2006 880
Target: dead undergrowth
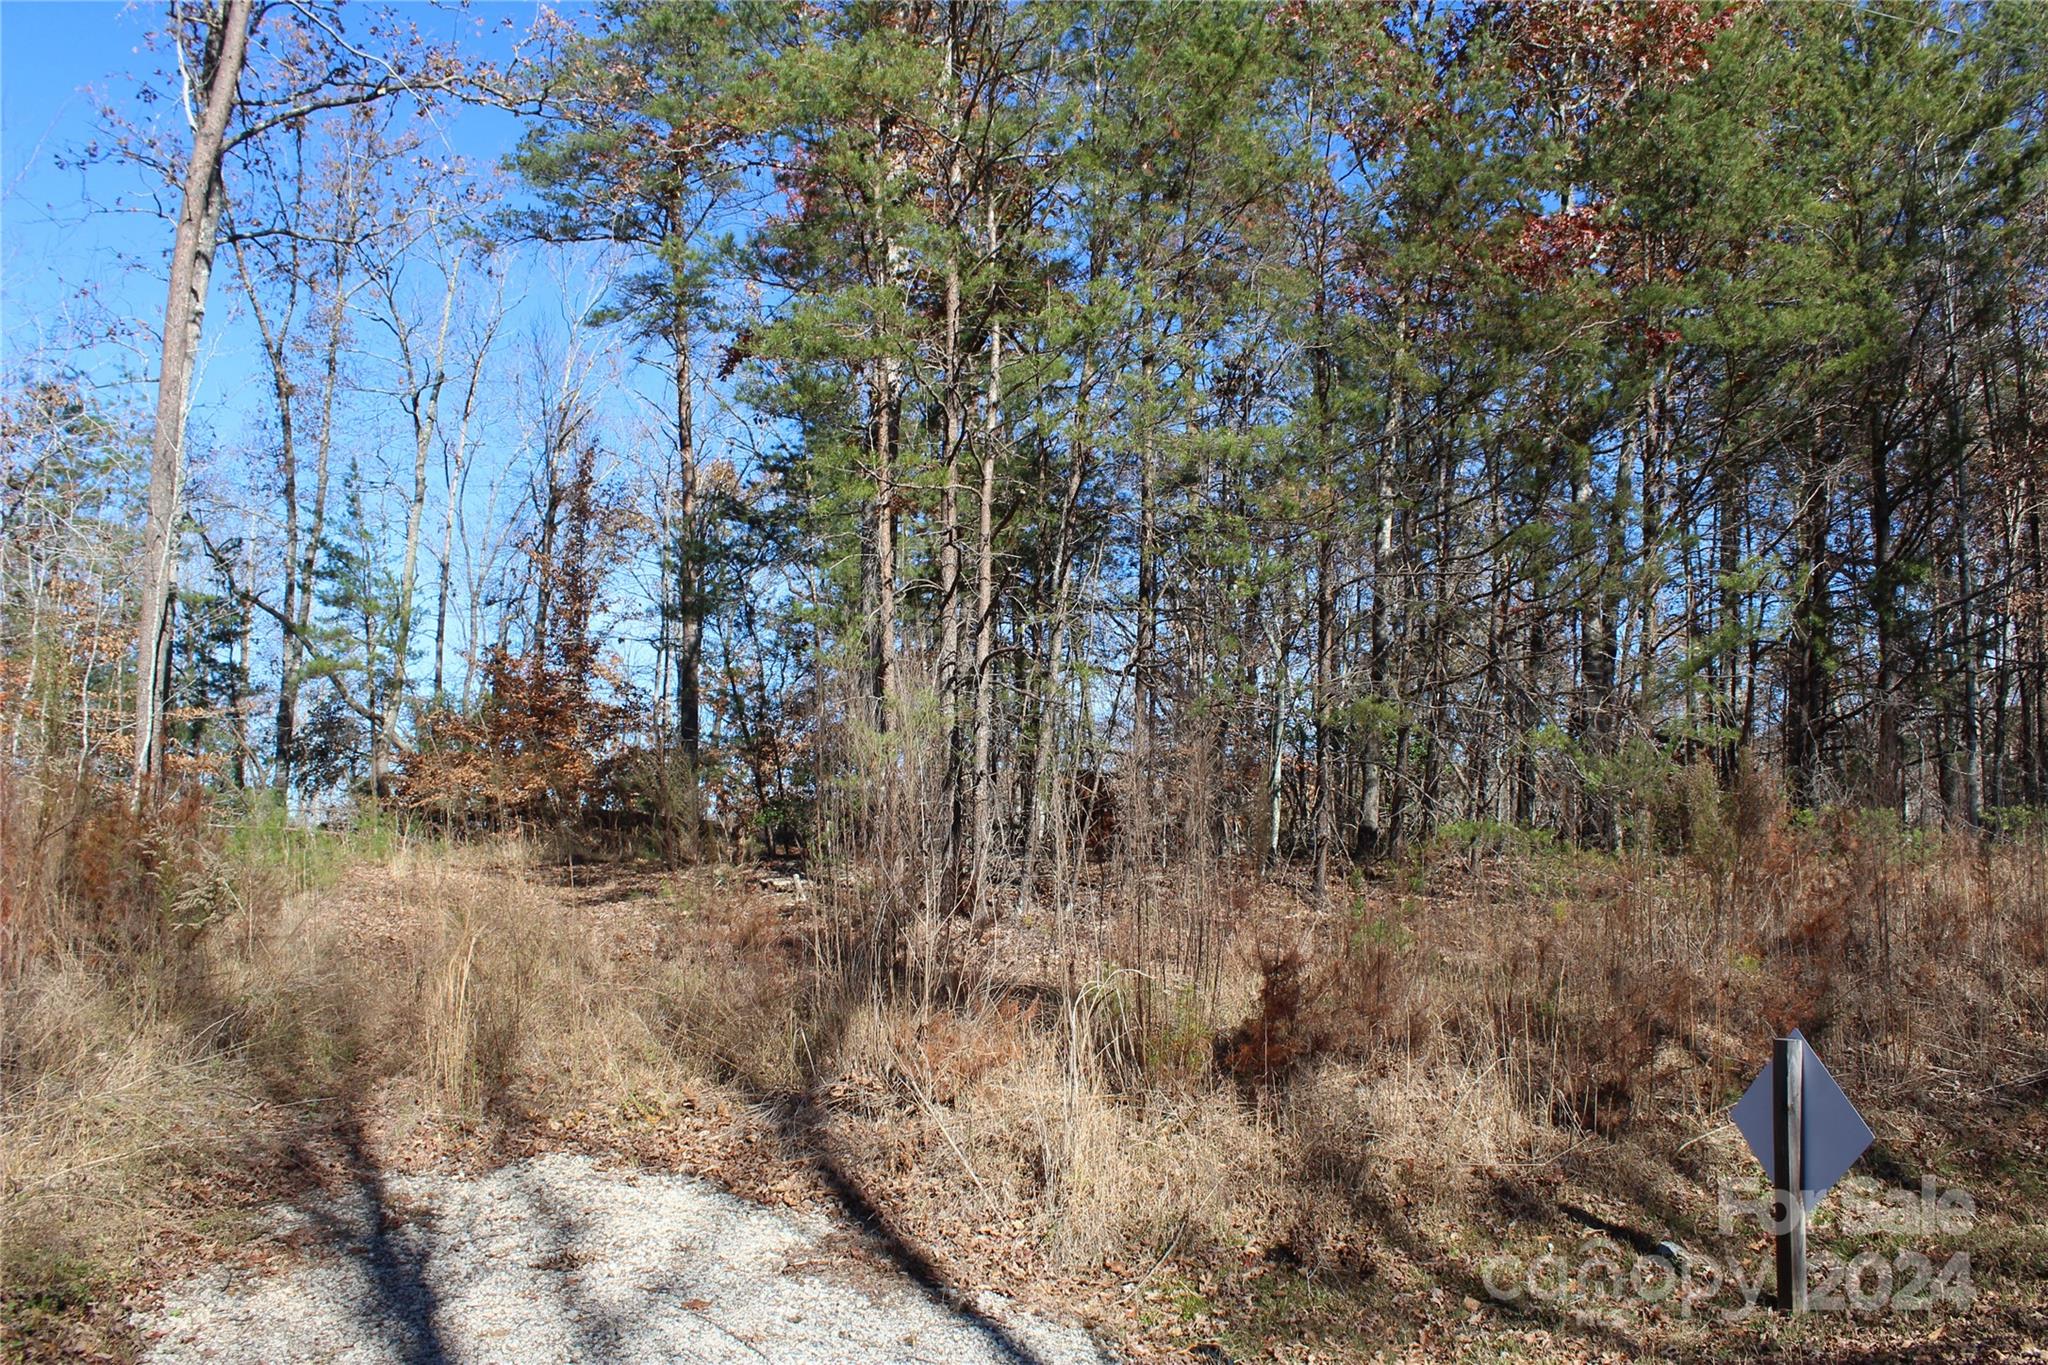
1320 1132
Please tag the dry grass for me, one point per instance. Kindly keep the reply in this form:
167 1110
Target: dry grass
108 1092
1415 1133
1002 1112
1343 1098
154 1084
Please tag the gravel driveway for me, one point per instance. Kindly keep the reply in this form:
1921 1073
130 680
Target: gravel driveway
560 1259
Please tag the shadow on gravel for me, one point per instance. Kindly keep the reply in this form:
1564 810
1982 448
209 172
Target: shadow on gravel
401 1306
800 1126
600 1333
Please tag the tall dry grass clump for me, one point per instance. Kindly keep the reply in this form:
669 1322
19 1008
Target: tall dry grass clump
110 1093
1608 989
183 1008
522 1002
119 1076
487 976
1004 1116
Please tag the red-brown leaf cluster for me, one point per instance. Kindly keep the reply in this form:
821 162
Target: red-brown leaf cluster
1611 47
1554 246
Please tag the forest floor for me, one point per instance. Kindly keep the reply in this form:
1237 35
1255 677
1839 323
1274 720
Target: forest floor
491 1081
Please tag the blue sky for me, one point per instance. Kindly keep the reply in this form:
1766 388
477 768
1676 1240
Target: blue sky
63 229
82 262
57 61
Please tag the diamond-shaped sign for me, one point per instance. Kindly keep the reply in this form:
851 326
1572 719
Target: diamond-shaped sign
1834 1133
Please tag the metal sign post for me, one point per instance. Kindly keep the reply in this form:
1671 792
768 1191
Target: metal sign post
1806 1133
1788 1203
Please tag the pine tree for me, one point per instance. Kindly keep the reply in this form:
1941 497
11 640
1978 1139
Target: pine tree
644 146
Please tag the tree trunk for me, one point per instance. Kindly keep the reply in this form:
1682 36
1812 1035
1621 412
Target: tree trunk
984 602
308 549
1326 611
1060 574
1143 679
192 250
1887 782
885 416
425 406
454 478
1371 840
689 568
1806 687
950 685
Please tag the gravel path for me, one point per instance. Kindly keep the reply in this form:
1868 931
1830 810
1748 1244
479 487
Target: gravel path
559 1259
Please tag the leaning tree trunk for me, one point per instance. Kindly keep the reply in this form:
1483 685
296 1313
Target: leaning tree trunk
227 45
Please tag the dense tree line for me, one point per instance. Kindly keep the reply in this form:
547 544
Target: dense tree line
1188 430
